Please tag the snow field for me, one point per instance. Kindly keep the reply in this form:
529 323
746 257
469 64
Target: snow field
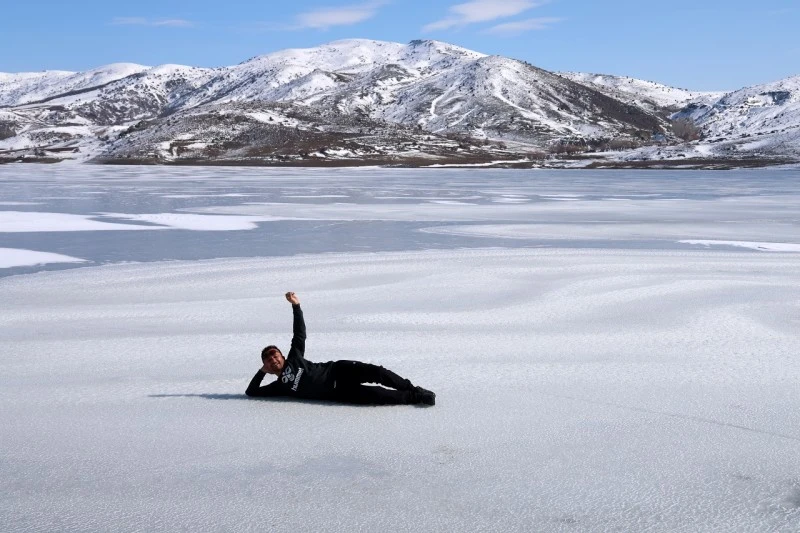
576 390
641 92
13 257
33 221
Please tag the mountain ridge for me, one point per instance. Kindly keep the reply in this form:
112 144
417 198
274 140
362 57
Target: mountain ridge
345 100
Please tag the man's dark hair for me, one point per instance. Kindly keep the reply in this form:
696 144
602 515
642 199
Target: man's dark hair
267 349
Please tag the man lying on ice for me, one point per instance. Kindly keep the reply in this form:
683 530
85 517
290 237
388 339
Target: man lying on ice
338 381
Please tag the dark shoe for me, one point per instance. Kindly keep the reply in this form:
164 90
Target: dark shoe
424 396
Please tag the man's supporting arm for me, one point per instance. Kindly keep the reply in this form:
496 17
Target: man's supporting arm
254 388
299 330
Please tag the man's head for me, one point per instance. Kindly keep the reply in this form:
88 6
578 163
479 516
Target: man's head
273 359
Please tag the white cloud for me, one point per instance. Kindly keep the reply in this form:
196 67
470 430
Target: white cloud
142 21
481 11
337 16
520 26
176 23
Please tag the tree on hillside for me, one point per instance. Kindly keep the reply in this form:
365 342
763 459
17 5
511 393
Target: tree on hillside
685 129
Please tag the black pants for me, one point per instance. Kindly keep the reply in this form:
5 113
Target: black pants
350 377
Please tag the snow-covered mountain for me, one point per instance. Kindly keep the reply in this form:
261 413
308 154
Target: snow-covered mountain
17 89
764 118
646 94
357 100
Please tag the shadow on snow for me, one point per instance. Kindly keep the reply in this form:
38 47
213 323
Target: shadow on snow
212 396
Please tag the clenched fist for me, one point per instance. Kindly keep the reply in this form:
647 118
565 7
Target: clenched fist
292 298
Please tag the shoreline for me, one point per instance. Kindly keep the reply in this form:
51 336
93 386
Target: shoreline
420 163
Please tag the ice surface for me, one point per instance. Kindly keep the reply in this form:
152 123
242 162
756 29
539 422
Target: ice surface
577 390
13 257
589 386
637 230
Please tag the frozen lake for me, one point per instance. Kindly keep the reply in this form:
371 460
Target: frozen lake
98 215
611 351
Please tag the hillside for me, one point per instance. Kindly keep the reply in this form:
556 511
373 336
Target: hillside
647 94
353 101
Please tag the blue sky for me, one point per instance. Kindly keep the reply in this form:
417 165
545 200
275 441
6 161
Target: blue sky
697 44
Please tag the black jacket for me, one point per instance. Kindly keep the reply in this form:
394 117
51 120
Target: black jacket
300 378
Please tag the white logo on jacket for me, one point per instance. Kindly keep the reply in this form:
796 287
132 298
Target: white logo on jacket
288 375
297 379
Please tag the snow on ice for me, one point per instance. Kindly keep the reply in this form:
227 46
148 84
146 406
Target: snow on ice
13 257
31 221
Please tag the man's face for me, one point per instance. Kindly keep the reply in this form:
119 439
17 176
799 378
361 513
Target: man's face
274 361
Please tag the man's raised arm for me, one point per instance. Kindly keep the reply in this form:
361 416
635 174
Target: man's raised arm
298 326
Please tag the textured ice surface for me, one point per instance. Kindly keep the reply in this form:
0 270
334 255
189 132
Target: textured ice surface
764 246
676 230
578 390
